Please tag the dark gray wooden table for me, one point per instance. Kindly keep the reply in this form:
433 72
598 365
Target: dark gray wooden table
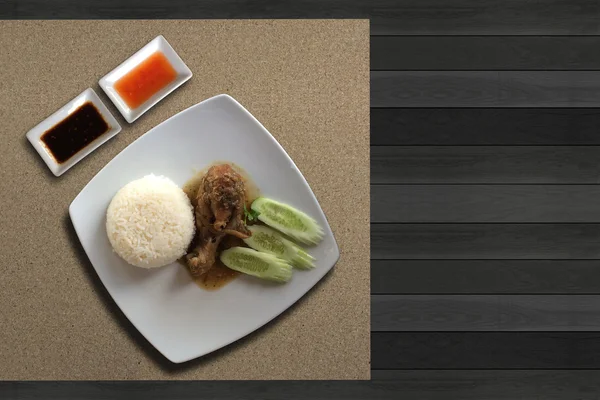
485 163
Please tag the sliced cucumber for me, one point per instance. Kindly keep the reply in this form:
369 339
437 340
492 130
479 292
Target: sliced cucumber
260 265
270 241
288 220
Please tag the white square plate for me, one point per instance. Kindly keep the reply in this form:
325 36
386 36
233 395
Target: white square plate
176 316
35 134
107 83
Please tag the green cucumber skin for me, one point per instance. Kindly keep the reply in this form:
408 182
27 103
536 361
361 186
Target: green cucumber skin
304 228
279 246
303 261
273 268
272 245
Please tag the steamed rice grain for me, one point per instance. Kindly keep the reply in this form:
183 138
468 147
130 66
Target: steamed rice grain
150 222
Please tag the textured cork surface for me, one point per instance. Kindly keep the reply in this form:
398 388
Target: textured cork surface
306 81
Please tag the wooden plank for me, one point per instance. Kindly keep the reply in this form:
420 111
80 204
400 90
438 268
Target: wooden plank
8 9
485 89
485 350
492 385
485 241
385 384
485 276
484 164
485 53
485 126
390 17
485 17
185 9
149 390
485 313
485 203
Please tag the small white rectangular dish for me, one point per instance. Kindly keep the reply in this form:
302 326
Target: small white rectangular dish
107 83
179 318
35 134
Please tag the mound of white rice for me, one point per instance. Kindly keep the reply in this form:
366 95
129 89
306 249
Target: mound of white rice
150 222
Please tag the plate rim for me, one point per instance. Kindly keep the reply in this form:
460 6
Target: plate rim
270 317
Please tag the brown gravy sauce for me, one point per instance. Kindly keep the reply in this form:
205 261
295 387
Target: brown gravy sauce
219 275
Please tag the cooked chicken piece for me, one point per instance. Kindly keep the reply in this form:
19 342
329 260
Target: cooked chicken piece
220 202
219 208
202 257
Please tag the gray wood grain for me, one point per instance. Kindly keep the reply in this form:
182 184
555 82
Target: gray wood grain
485 277
493 385
485 203
485 89
485 313
159 390
485 241
485 17
8 9
485 350
414 385
406 17
186 9
485 126
485 164
485 53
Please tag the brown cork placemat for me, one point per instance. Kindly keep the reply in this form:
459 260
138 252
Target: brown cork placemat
306 81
